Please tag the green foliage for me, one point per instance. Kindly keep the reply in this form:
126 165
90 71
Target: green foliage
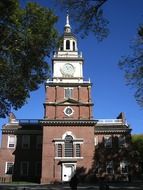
27 37
133 66
137 141
88 16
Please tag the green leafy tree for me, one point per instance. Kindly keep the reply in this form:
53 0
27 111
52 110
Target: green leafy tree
137 143
27 36
133 66
88 16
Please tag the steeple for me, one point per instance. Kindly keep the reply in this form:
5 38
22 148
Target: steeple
67 25
67 60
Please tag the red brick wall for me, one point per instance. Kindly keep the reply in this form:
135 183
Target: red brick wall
6 154
56 95
51 170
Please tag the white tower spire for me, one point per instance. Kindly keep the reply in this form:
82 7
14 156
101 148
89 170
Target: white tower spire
67 20
67 26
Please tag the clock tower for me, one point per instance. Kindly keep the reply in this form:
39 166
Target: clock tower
68 95
68 125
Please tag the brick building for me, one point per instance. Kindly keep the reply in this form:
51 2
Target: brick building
68 139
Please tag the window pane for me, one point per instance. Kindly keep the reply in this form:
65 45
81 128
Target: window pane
11 141
108 141
39 142
9 167
37 168
68 146
59 150
25 141
121 141
24 168
68 92
77 150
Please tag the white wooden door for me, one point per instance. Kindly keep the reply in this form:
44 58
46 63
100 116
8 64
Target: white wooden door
67 171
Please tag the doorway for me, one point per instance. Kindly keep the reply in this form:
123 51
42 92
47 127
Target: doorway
68 170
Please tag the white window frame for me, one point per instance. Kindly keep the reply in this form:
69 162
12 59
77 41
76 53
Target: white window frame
108 141
6 167
9 141
21 169
62 142
68 114
25 141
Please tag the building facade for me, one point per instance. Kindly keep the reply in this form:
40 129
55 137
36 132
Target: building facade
68 139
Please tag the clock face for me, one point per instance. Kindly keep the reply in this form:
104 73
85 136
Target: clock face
67 70
68 111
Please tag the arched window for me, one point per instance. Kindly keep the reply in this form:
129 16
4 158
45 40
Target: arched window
73 46
67 44
68 146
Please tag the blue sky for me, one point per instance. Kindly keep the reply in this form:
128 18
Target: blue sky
110 94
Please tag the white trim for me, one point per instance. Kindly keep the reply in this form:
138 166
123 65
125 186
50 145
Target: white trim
68 114
68 158
59 142
77 142
68 133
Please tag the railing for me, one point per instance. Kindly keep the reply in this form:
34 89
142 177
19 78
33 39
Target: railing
102 121
58 80
68 54
29 121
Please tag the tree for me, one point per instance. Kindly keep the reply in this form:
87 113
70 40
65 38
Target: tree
137 144
27 36
133 66
88 16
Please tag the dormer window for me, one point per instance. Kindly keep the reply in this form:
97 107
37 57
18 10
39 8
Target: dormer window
67 44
